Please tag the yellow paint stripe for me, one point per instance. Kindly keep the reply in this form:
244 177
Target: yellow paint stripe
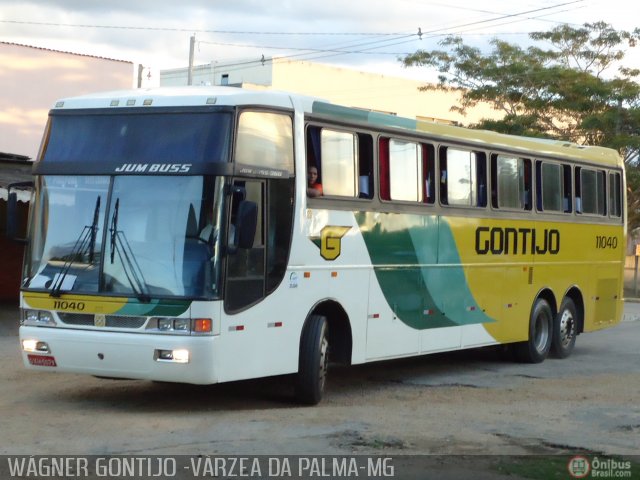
74 303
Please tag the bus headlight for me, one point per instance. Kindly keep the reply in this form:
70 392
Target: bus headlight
38 318
182 324
165 324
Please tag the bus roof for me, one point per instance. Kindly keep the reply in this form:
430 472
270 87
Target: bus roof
524 145
232 96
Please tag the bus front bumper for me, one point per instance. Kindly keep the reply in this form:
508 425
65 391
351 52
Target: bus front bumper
167 358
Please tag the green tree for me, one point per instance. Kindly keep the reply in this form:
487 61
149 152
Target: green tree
571 84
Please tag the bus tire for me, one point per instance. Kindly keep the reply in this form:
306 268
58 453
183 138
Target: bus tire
314 360
565 327
537 347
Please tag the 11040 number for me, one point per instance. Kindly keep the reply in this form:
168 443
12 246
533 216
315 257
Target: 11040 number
603 241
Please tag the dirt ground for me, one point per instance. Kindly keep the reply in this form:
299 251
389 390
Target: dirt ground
464 403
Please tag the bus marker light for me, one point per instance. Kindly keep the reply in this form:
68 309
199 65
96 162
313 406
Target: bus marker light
307 274
202 325
274 324
428 312
236 328
334 274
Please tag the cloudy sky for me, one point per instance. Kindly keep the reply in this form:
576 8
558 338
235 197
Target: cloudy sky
362 34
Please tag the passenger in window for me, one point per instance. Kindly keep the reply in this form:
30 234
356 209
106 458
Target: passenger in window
314 188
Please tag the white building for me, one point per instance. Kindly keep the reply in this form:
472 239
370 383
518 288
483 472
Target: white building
353 88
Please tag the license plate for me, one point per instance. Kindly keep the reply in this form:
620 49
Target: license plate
42 361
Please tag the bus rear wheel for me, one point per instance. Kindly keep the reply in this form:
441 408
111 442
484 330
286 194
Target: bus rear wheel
564 329
314 360
537 347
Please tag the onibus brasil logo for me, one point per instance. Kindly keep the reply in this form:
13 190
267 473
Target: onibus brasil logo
581 467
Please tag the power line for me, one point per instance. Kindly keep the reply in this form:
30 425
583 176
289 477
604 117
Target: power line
194 30
314 54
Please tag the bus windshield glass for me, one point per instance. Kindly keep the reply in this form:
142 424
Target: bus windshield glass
185 137
146 237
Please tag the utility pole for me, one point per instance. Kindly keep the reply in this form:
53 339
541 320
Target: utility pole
192 45
140 70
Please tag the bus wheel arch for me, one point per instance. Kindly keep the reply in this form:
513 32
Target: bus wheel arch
538 344
326 332
340 336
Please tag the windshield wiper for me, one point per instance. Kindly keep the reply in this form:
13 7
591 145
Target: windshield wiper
87 238
132 270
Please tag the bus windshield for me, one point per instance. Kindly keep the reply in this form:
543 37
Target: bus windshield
186 137
151 236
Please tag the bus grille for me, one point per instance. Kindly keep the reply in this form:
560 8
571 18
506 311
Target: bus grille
111 321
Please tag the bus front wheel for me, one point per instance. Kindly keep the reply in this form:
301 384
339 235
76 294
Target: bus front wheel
314 360
537 347
564 329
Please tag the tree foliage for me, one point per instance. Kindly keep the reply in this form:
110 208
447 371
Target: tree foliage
571 84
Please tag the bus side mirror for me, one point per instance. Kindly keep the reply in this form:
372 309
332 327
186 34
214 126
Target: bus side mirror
246 224
12 212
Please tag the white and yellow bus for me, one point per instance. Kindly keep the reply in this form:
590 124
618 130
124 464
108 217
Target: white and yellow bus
174 237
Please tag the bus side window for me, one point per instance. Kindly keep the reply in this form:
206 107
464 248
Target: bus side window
365 166
343 163
313 162
404 170
591 190
615 206
429 173
463 177
510 182
553 187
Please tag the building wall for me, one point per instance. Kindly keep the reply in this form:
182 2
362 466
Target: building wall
343 86
32 79
213 74
378 92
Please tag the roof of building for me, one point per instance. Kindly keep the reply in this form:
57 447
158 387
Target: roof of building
14 169
66 52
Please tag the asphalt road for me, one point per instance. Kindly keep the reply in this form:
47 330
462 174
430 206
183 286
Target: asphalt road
471 402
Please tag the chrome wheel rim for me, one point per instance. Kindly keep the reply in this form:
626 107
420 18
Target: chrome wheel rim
567 328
